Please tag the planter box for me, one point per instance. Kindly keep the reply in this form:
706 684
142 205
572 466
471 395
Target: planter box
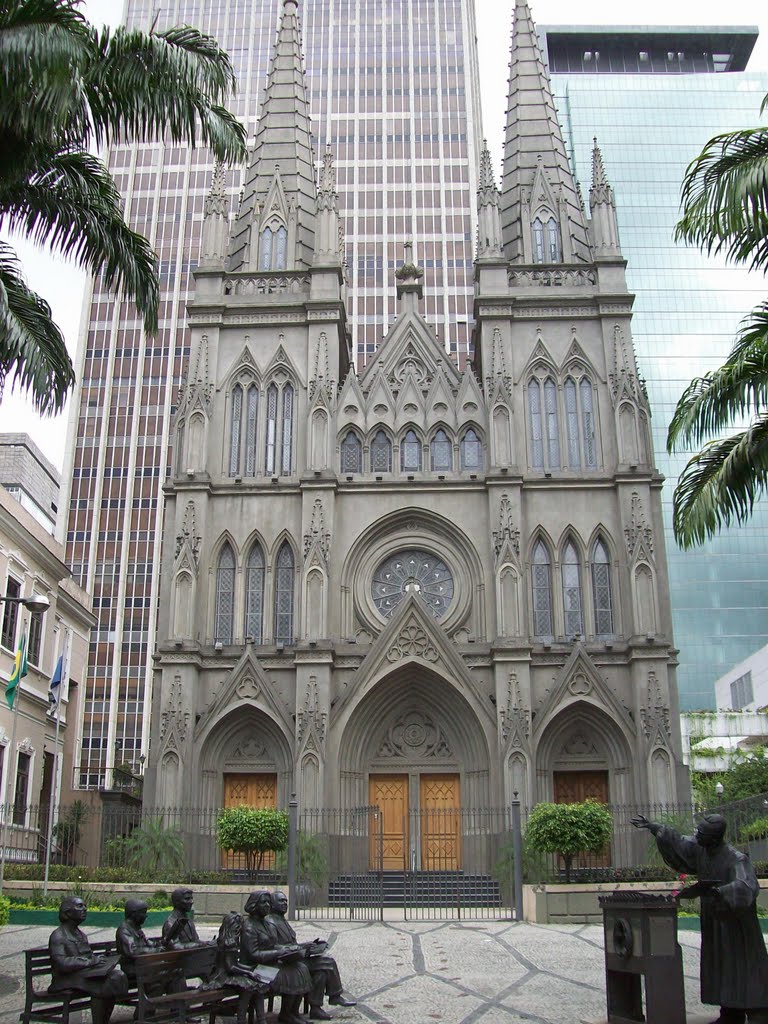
95 919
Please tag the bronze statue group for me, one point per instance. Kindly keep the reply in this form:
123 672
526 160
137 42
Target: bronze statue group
257 953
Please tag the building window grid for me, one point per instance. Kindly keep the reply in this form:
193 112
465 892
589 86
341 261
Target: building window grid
254 595
35 641
284 580
573 619
601 590
541 576
742 692
351 451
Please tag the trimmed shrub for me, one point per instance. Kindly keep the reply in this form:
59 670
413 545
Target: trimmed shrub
569 829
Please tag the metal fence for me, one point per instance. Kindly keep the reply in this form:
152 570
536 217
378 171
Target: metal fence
354 863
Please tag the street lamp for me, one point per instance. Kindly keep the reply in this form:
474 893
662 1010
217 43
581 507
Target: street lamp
719 788
36 603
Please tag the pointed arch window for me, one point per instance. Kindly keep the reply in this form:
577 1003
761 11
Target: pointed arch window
534 414
351 453
410 452
235 428
573 618
554 248
225 597
541 576
180 431
381 453
441 452
284 580
550 419
545 235
254 595
588 422
281 249
537 233
251 420
265 256
572 423
471 451
271 433
287 438
601 589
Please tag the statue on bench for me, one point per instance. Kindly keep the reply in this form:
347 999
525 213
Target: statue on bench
179 931
259 944
75 966
322 967
251 983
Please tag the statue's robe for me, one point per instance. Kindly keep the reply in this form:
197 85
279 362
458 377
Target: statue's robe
323 968
259 944
72 961
734 962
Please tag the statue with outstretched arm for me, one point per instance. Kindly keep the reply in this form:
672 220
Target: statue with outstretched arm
734 962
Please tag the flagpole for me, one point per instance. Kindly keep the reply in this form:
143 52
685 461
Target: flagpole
6 807
55 773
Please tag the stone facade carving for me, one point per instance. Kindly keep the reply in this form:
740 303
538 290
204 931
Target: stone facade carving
655 715
317 536
515 718
310 718
189 535
507 532
412 642
638 530
414 736
175 715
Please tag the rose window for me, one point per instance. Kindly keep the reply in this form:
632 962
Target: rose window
413 572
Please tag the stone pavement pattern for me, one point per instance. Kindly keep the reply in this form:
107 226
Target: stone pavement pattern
454 972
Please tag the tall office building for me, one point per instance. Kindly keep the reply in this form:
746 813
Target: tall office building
653 97
393 90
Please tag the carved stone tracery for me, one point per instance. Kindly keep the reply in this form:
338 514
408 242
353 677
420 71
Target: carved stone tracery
515 718
414 736
173 716
412 642
638 529
655 716
310 718
507 531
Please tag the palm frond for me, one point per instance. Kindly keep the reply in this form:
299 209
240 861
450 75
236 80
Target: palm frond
738 388
32 347
724 197
720 485
145 86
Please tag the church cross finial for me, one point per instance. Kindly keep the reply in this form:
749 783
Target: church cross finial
599 179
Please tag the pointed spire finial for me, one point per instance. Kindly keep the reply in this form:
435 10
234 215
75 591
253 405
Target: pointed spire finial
604 225
599 179
487 179
217 200
409 276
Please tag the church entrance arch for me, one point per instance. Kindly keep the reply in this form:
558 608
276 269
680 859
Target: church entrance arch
415 748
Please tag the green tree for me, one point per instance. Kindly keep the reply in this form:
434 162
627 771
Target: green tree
253 832
747 776
68 86
725 210
569 829
154 850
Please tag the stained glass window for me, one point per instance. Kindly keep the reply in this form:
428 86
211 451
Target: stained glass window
271 435
251 419
410 452
381 453
413 572
351 454
265 261
286 461
441 452
254 595
534 412
225 596
601 589
281 249
554 253
234 430
471 451
588 423
571 573
553 430
537 232
542 591
284 578
572 424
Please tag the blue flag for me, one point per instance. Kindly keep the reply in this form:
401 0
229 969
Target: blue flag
55 687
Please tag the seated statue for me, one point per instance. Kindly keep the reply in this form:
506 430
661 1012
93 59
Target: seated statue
76 966
179 931
259 944
251 982
130 939
322 967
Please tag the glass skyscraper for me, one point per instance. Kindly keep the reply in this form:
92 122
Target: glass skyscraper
394 92
653 97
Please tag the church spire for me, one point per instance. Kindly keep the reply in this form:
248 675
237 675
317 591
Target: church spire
538 187
488 220
275 227
213 242
604 226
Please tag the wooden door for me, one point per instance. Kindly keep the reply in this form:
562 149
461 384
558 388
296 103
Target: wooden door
575 788
389 840
440 822
249 789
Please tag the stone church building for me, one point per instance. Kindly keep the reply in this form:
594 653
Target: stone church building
416 586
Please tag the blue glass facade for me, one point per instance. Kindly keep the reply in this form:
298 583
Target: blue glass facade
688 306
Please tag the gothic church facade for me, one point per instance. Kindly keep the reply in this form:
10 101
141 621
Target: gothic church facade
416 583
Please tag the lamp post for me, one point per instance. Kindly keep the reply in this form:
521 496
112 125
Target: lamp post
37 604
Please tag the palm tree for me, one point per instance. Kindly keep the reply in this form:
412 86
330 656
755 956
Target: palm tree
66 87
725 210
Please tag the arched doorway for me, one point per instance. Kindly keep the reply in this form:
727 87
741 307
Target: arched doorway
415 748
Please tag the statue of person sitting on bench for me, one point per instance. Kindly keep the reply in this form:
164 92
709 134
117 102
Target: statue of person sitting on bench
259 944
130 938
251 983
179 931
322 967
76 966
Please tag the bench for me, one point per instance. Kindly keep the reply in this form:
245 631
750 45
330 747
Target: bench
158 972
55 1007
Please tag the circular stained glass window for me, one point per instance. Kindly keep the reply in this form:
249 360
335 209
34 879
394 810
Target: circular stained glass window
413 572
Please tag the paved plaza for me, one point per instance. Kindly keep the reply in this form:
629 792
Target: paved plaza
455 972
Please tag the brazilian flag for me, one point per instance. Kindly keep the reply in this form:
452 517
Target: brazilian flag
19 671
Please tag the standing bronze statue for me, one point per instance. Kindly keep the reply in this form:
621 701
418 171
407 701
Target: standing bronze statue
76 966
259 944
734 962
323 968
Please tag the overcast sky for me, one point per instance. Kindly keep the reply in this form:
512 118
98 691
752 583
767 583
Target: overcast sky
63 286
